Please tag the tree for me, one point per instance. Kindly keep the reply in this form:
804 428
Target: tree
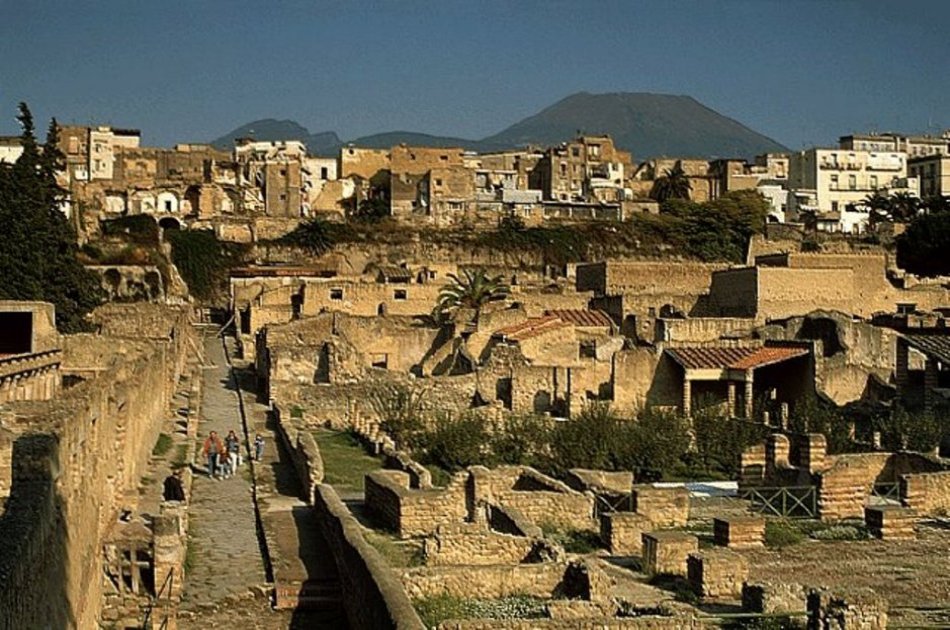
922 248
472 290
38 260
399 408
673 184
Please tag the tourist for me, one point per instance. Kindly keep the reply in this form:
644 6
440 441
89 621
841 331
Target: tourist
213 448
233 446
174 490
224 463
258 447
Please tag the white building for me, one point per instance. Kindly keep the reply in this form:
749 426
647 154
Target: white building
837 181
10 149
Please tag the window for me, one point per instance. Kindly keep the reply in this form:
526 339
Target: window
438 182
283 196
324 173
380 360
575 152
853 182
168 205
336 294
563 168
873 182
283 172
444 158
834 182
400 294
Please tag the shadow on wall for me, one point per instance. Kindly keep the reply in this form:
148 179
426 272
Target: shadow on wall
34 542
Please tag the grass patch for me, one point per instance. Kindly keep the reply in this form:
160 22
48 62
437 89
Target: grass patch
782 533
296 412
345 462
398 553
435 610
162 445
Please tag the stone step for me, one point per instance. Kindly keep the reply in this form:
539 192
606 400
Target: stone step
309 595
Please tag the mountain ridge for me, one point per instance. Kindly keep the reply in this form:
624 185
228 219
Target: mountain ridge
646 124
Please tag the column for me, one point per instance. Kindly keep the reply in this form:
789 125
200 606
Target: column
731 398
687 396
748 395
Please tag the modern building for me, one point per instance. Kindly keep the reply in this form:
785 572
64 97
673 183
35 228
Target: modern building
933 173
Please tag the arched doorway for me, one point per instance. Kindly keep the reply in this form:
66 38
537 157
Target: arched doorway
169 223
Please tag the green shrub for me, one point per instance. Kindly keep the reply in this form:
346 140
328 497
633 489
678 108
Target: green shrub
840 532
524 439
456 442
435 610
140 228
580 541
204 261
782 533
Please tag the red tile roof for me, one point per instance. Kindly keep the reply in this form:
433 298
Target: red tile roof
582 318
732 358
532 327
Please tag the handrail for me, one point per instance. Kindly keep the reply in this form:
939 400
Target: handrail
167 584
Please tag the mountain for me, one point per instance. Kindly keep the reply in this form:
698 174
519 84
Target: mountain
647 125
271 129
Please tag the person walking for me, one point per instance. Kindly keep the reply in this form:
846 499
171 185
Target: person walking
258 447
213 449
174 490
233 446
224 463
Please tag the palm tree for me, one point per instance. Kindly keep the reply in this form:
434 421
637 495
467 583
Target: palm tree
673 184
906 206
472 290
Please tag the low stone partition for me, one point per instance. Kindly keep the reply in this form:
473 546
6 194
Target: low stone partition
664 506
891 522
372 595
510 520
854 609
622 532
414 512
927 493
304 453
717 573
667 552
739 532
476 544
581 615
774 597
419 476
542 580
540 498
600 481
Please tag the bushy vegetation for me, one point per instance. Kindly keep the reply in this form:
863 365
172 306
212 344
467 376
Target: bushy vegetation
140 229
204 262
922 248
39 257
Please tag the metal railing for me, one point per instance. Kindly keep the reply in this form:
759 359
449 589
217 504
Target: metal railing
783 501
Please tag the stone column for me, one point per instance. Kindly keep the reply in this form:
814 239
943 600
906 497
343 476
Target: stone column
749 396
731 398
687 396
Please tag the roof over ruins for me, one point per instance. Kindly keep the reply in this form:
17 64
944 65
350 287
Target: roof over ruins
531 327
933 344
582 318
701 358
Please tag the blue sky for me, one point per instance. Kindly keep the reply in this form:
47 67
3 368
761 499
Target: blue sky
803 72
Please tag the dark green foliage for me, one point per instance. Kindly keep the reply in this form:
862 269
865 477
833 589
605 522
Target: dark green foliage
672 184
371 209
457 442
573 540
399 408
140 229
812 415
204 262
473 289
38 260
915 431
524 440
782 533
922 248
557 245
314 236
720 440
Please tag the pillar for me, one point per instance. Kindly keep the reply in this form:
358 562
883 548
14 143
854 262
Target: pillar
731 398
748 395
687 396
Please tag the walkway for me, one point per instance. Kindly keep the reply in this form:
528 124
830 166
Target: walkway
226 582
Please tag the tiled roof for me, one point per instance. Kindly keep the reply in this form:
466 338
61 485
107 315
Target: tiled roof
531 327
394 272
933 344
732 358
283 271
583 318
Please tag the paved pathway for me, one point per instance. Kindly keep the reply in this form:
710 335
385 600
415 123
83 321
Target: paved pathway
224 554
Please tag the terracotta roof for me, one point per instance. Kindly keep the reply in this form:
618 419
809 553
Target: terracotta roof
283 271
935 345
394 272
732 358
583 318
531 327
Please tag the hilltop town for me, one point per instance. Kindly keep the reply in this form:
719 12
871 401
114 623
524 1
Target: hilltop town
544 387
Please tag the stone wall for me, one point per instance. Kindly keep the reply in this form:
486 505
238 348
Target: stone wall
372 595
664 506
75 461
927 493
485 582
414 512
303 451
542 499
476 544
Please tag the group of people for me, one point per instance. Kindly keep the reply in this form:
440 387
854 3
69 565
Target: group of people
224 456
